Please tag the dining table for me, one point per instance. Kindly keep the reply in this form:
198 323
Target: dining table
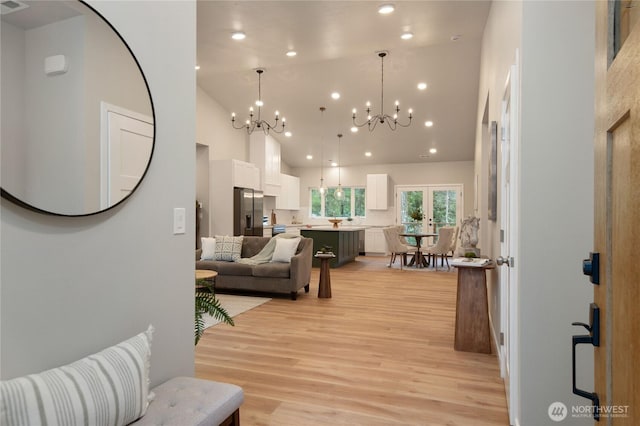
419 259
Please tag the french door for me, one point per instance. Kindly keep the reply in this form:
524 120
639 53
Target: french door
427 208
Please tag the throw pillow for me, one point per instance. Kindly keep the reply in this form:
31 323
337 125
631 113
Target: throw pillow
285 249
109 387
208 248
228 248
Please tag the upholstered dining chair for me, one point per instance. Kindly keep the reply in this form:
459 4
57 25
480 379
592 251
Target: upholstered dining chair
392 236
402 239
441 247
454 242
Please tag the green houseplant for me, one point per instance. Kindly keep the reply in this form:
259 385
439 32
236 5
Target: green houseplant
206 302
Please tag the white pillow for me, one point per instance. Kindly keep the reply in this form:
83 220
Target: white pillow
109 387
285 249
228 248
208 248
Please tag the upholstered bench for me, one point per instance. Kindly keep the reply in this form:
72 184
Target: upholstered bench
189 401
112 387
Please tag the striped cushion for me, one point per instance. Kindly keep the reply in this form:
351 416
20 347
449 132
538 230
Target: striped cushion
110 387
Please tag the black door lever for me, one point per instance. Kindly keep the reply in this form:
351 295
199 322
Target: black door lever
592 338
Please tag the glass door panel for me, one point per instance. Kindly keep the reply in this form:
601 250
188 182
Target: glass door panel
428 208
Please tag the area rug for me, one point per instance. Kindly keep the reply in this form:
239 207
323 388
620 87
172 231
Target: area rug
234 305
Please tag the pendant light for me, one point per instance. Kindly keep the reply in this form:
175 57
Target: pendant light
339 194
323 187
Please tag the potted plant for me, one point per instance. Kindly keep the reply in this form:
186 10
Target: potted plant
206 302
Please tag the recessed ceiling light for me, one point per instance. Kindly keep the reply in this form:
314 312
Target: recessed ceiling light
386 9
309 157
197 67
287 134
238 35
335 95
354 129
456 37
291 53
422 86
367 154
428 123
406 35
334 164
433 150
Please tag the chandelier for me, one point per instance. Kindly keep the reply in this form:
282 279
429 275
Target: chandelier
323 187
339 194
252 124
373 120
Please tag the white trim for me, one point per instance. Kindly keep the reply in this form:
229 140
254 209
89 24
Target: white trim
514 282
105 109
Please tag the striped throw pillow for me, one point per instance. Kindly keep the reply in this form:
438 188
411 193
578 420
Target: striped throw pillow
110 387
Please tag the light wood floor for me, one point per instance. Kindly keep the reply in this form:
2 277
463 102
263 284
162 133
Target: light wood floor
380 352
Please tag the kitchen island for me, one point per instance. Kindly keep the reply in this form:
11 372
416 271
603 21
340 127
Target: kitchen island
344 242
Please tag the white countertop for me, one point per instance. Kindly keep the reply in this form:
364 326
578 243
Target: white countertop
331 228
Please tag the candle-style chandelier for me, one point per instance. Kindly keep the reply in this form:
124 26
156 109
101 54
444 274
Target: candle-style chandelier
391 120
252 124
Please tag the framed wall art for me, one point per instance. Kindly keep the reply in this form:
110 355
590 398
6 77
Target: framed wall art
493 173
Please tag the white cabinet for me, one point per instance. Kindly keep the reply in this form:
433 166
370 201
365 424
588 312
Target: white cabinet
223 176
230 173
264 152
377 192
245 175
374 241
289 198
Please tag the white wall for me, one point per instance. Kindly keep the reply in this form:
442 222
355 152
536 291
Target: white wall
214 129
556 41
72 286
556 211
55 130
400 174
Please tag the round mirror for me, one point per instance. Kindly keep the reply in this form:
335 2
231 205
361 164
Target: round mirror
77 117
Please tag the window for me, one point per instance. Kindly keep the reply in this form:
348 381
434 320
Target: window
353 204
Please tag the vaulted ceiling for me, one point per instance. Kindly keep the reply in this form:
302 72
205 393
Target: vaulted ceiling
336 44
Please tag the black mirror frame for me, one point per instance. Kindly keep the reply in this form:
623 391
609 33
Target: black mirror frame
8 196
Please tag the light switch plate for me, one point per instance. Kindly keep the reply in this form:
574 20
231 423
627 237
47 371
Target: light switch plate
179 220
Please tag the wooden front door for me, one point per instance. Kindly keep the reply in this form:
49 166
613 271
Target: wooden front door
617 211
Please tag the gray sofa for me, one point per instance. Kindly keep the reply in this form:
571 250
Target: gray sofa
267 277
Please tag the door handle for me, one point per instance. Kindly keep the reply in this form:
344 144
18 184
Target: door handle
592 338
503 261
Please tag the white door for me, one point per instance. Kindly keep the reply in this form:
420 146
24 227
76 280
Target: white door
508 247
440 205
126 144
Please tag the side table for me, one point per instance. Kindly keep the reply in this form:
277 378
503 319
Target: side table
204 274
472 315
324 286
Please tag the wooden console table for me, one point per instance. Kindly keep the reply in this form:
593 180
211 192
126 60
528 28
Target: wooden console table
472 316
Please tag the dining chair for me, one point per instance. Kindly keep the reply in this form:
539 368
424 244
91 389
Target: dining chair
402 239
441 247
392 236
454 242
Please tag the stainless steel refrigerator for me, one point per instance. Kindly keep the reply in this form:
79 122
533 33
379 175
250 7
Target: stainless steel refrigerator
247 210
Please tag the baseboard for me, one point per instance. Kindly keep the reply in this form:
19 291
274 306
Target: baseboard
496 346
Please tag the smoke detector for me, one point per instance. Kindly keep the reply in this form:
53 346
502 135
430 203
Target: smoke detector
10 6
